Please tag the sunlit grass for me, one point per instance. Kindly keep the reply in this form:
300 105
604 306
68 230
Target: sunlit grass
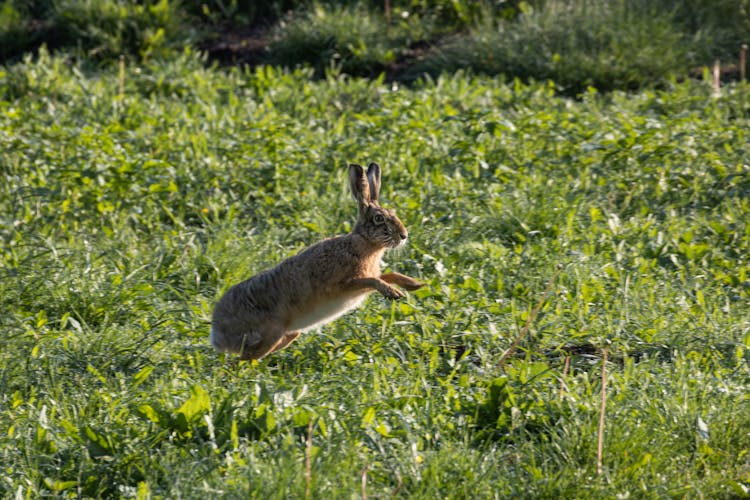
124 217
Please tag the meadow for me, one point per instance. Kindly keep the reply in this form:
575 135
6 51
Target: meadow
566 244
608 44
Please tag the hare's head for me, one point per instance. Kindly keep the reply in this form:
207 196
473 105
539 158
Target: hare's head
377 224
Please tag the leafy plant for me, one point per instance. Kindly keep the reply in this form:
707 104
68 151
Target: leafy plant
356 39
109 28
601 44
12 30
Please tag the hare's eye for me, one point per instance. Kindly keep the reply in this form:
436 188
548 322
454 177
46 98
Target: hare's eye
378 218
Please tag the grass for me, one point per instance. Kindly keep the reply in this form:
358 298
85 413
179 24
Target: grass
610 45
124 215
355 39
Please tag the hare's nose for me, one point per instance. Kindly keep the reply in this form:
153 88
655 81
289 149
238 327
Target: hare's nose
404 234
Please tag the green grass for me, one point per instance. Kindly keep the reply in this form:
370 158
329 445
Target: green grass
123 217
355 39
607 44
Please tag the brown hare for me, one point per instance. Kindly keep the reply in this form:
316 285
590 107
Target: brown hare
268 311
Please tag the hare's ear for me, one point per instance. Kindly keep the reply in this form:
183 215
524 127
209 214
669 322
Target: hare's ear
360 186
373 177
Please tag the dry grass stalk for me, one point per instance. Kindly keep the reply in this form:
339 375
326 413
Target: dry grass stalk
121 78
602 408
717 77
308 459
563 386
534 313
364 483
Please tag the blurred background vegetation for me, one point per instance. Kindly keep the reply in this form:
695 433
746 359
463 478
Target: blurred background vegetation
608 44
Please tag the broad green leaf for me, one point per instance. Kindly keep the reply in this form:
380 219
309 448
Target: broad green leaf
141 376
196 405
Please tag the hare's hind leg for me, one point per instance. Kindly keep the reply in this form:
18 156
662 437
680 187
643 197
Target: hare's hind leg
271 334
402 280
287 339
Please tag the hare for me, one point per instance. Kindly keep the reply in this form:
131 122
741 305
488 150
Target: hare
326 280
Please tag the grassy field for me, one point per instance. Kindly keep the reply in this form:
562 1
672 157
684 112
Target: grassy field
609 44
131 199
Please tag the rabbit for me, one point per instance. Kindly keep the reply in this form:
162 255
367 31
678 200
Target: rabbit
321 283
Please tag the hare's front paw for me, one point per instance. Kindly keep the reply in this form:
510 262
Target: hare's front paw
392 293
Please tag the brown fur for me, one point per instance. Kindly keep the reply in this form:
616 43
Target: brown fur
268 311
